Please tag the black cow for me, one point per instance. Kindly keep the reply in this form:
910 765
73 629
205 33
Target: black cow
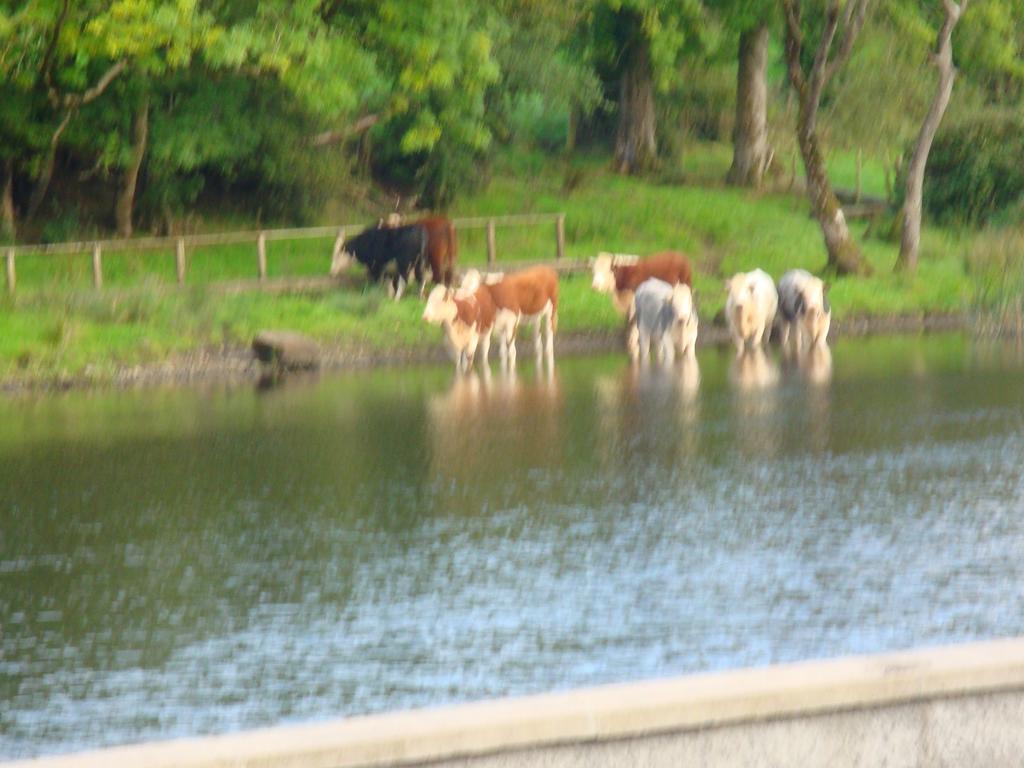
398 251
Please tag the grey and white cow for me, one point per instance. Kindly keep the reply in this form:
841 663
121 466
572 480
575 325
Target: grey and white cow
803 309
665 315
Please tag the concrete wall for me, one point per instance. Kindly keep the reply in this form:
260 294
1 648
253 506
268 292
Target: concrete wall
956 706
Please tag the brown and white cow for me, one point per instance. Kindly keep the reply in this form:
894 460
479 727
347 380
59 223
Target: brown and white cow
467 319
620 276
530 294
442 248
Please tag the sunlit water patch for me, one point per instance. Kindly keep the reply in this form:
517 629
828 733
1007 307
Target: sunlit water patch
197 561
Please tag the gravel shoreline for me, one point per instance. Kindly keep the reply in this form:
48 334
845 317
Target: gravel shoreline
236 364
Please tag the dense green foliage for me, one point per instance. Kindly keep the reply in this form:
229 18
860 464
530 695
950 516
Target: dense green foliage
271 109
975 174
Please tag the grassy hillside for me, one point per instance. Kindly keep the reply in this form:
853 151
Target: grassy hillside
57 324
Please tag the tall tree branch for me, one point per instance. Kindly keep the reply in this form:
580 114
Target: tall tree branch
333 137
46 68
819 70
794 43
854 16
46 173
76 100
71 104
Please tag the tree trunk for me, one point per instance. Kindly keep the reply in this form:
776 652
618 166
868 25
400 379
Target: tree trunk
7 221
129 180
843 255
910 240
750 134
571 129
635 145
46 172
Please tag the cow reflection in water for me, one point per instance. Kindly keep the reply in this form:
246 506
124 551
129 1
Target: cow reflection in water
754 378
649 403
814 367
496 422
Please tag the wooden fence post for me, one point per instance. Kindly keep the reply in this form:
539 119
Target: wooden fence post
339 243
261 255
97 265
860 160
179 260
12 279
492 245
560 237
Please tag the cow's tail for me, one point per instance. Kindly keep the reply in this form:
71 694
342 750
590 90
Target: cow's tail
554 310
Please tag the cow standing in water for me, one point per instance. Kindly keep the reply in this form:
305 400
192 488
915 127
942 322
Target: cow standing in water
803 309
531 295
664 315
467 319
750 308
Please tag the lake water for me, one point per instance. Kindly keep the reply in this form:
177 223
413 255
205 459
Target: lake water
198 561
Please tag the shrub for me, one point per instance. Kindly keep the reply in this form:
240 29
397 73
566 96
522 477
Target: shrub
975 173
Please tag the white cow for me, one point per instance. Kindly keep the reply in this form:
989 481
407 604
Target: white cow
665 315
804 309
750 308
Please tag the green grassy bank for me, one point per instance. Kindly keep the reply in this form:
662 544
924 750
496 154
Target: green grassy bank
58 325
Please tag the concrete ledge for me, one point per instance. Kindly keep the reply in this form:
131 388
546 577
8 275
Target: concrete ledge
601 714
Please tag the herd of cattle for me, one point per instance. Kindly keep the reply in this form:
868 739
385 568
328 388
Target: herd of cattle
655 294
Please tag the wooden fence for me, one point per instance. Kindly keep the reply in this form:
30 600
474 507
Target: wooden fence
260 239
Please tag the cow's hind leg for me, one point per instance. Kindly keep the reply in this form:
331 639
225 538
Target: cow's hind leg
512 345
666 348
503 348
485 349
420 277
644 345
474 340
549 327
784 333
633 340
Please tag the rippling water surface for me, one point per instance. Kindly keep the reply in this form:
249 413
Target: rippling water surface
198 561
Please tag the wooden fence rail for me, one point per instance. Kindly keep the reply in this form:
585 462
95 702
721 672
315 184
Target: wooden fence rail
260 238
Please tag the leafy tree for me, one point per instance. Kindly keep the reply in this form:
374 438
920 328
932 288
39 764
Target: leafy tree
543 56
750 22
991 43
436 63
637 44
943 58
809 79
